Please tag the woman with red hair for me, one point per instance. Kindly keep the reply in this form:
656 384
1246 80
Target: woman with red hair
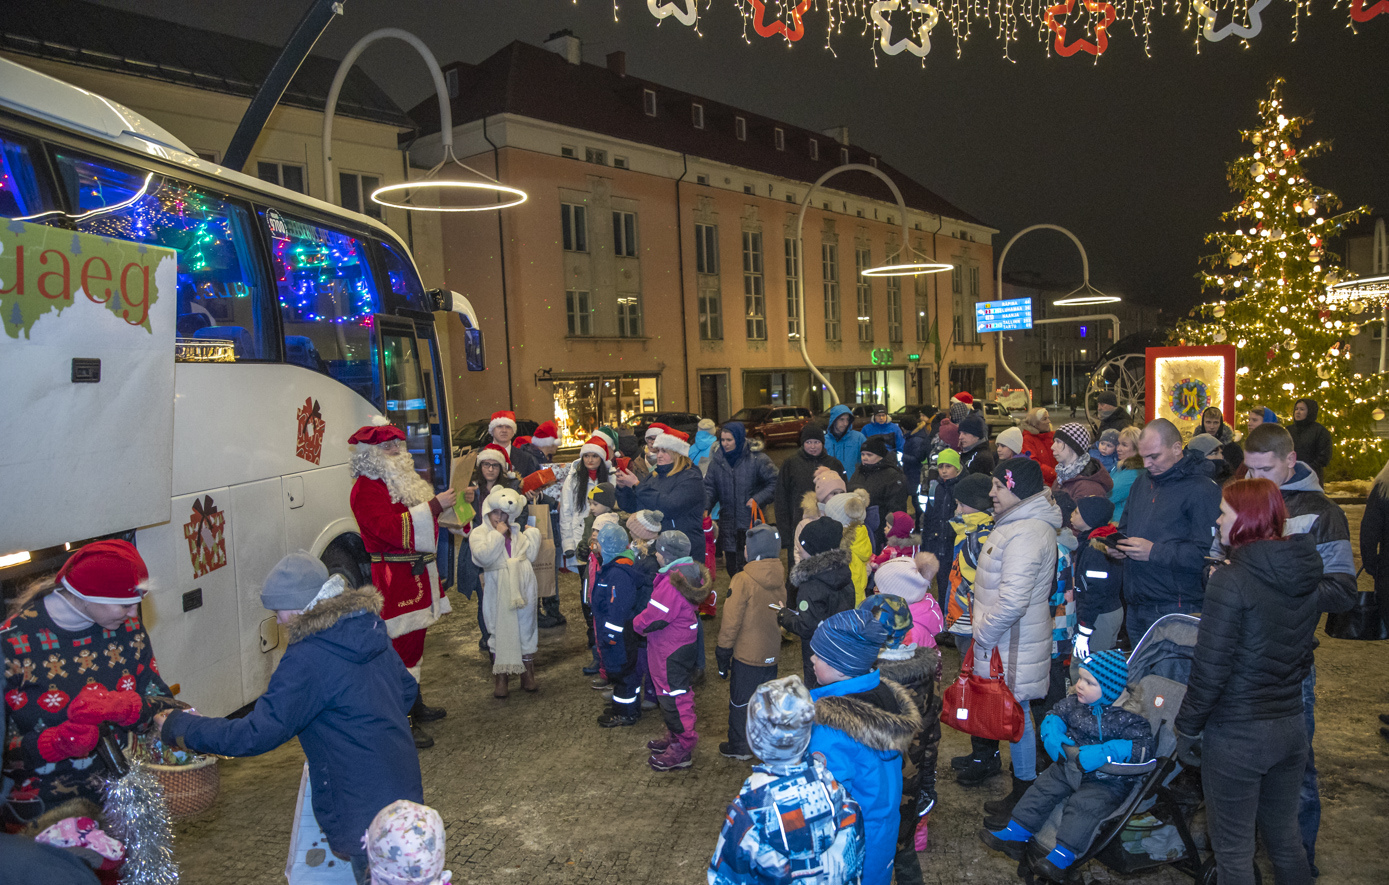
1243 705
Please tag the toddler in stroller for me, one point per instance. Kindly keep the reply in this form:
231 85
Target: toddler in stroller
1110 751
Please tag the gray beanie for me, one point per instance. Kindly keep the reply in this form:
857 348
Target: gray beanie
763 542
780 715
293 582
673 545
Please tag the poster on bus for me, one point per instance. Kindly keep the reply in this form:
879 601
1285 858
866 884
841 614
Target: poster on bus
87 354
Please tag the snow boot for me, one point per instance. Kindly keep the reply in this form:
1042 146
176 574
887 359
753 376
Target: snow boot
550 615
979 749
501 685
675 756
979 770
421 712
528 682
1000 810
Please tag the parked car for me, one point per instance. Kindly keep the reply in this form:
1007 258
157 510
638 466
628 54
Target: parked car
685 422
775 425
997 417
909 415
862 412
473 435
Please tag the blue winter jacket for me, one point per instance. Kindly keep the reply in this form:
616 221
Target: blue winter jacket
1097 723
616 594
915 448
679 496
343 691
844 448
700 448
863 727
895 440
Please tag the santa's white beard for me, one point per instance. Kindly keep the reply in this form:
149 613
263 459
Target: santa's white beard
396 471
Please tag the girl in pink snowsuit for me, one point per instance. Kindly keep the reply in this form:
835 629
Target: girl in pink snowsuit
669 623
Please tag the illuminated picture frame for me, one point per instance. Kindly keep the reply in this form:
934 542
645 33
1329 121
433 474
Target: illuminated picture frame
1183 381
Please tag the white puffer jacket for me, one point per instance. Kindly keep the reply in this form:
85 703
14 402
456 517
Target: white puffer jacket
1012 596
571 518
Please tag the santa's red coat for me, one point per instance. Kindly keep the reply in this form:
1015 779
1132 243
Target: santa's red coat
412 602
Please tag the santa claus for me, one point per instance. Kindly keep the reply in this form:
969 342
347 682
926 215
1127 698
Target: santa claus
398 514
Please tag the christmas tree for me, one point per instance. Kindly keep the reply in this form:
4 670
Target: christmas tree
1272 271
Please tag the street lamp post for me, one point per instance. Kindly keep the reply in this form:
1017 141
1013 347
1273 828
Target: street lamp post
901 269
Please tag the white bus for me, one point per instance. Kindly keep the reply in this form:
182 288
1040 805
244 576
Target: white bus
290 323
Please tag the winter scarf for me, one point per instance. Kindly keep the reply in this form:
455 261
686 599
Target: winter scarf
1067 472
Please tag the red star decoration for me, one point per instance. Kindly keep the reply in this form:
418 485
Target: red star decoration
1361 14
1101 30
797 29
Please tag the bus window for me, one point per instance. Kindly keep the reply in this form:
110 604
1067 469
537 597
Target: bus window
407 398
327 299
404 281
21 194
221 287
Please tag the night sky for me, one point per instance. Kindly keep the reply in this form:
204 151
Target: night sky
1128 153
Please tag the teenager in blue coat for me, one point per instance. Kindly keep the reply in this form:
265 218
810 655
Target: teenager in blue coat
842 441
341 689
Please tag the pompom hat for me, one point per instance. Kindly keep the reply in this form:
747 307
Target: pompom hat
106 572
645 524
546 435
377 432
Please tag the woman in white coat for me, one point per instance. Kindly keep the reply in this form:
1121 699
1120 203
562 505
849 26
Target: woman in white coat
1012 596
504 548
589 470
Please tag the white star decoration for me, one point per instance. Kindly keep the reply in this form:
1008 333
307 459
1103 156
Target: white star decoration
879 12
1256 23
686 17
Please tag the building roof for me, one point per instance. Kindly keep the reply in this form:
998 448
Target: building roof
533 82
142 46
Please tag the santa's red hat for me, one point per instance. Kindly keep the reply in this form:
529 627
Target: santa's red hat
673 441
546 435
963 396
655 428
377 432
500 419
108 572
494 452
596 445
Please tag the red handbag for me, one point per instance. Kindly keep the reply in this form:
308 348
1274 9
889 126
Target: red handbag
983 707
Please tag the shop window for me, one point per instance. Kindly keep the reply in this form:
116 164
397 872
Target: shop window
829 262
863 289
354 193
793 276
573 227
578 312
625 234
286 175
754 298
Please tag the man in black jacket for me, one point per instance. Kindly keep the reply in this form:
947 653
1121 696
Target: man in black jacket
797 477
1269 454
1311 440
1112 416
1170 522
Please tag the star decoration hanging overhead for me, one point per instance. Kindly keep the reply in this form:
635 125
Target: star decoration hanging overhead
1359 13
1094 7
920 48
687 15
793 33
1256 23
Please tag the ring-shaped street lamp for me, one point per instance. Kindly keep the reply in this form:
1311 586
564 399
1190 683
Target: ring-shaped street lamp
904 270
518 196
1086 294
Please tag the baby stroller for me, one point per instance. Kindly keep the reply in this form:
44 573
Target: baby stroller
1159 668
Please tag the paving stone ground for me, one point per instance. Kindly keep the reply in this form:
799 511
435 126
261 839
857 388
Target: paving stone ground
531 790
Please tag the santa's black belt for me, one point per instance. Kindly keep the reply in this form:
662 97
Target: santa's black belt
420 560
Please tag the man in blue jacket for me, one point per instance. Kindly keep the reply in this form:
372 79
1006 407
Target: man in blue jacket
341 689
842 441
883 425
1170 522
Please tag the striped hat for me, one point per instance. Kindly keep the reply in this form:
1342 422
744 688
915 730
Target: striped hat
1111 671
849 641
645 524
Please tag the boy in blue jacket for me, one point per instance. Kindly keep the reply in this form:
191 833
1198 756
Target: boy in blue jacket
842 441
883 425
863 727
616 592
1104 733
340 688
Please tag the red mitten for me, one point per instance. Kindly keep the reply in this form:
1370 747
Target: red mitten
95 705
69 740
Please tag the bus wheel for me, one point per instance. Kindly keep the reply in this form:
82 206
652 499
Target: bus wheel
342 559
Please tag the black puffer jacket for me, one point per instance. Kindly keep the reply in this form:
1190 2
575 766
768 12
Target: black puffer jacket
919 675
887 493
797 477
1256 639
824 587
1176 510
1311 440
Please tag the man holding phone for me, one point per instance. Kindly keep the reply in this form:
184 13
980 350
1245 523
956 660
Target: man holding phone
1169 521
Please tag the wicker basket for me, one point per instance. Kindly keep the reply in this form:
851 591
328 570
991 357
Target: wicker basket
189 789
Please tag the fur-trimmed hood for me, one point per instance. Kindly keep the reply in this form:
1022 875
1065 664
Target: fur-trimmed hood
810 506
921 666
870 725
330 611
908 541
819 564
695 594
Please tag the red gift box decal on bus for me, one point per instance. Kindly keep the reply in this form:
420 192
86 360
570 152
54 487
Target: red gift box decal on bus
311 427
206 533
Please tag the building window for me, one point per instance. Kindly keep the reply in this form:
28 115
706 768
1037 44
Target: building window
843 155
628 316
286 175
974 282
814 149
740 128
451 81
620 163
579 313
568 151
793 277
863 288
747 189
829 266
354 193
710 311
894 310
956 280
963 319
754 298
574 226
923 324
697 115
625 234
594 155
648 102
702 179
779 138
706 248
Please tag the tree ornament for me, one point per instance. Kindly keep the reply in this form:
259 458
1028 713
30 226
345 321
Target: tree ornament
1290 343
1279 162
1323 315
1272 352
1257 138
1377 414
1257 169
1236 259
1218 310
54 699
1353 330
1219 335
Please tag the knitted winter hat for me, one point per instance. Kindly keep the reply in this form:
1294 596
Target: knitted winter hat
849 641
951 457
673 545
497 454
107 572
899 577
958 411
546 435
293 582
975 425
1075 435
612 540
892 613
1269 416
609 518
1022 476
828 483
763 542
1012 438
780 715
812 431
597 445
1107 398
848 508
1111 671
604 493
821 535
405 845
973 490
1096 510
645 524
876 445
1110 436
902 525
502 419
1203 444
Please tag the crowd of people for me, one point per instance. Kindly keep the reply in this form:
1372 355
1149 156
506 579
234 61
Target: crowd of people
1043 553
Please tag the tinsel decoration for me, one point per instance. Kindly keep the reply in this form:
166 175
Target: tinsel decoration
137 815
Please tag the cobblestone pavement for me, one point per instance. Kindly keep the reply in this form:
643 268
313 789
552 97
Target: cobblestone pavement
532 790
